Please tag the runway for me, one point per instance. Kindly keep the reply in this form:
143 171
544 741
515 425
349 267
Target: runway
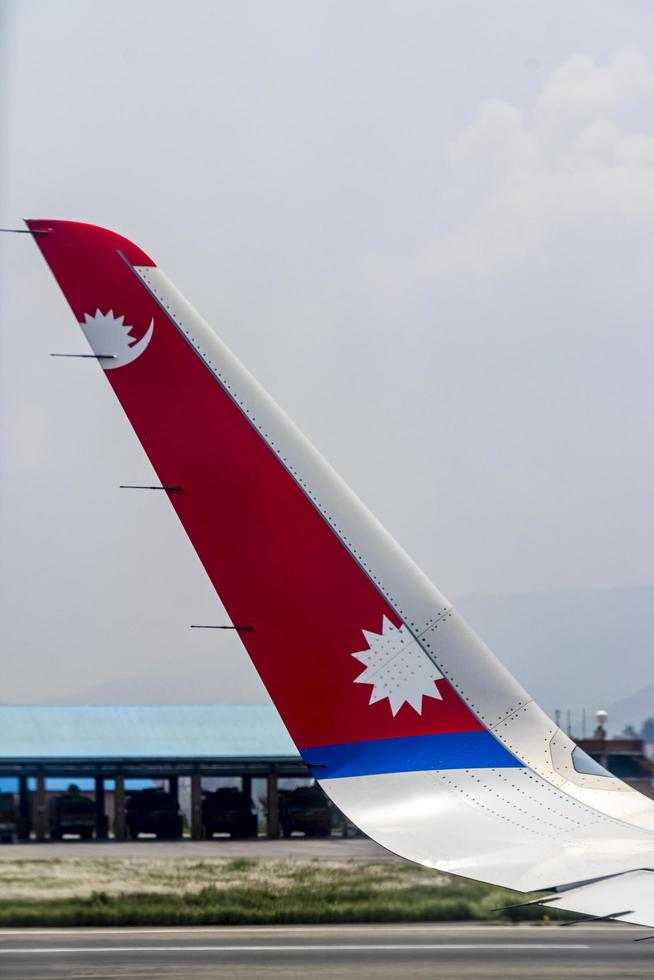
387 951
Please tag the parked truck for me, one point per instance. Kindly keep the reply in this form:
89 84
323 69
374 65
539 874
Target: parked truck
72 813
229 810
8 818
306 809
153 811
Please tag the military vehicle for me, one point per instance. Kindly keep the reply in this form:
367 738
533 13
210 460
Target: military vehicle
229 810
153 811
72 813
306 809
8 818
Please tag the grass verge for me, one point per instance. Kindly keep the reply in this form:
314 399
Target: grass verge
245 892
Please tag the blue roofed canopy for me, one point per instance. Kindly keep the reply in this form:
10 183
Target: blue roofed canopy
93 732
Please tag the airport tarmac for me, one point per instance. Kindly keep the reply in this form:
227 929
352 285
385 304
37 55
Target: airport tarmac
261 848
339 952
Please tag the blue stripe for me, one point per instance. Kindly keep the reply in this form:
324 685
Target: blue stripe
455 750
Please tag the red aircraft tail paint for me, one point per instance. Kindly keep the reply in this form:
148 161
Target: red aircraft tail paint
273 558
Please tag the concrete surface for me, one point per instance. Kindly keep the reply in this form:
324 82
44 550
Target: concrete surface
295 848
382 952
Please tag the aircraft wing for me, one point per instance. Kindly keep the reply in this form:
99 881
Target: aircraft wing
622 898
411 725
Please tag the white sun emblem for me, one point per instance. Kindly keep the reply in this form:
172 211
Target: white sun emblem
111 338
398 668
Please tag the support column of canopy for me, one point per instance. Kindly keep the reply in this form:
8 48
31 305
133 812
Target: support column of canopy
196 806
40 808
273 804
100 815
120 814
24 821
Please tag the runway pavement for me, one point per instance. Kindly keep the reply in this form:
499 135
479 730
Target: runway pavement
382 952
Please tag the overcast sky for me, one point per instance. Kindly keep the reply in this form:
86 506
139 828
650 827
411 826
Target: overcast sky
425 227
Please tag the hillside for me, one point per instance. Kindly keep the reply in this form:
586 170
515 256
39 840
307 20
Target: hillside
573 648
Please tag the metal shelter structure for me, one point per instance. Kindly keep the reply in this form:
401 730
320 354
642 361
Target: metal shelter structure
143 741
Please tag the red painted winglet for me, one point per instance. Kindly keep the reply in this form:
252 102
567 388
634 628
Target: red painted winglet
274 560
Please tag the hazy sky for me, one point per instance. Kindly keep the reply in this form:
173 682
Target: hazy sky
425 227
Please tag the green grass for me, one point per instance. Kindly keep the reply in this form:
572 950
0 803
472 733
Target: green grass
246 892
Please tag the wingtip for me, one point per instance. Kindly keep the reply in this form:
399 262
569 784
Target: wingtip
41 225
83 236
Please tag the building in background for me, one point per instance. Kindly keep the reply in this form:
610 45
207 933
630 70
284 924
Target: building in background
163 753
625 756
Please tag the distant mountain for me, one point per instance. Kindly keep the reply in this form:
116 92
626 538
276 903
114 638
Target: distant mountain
633 710
571 649
207 677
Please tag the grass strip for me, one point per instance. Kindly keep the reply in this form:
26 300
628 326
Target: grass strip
276 893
